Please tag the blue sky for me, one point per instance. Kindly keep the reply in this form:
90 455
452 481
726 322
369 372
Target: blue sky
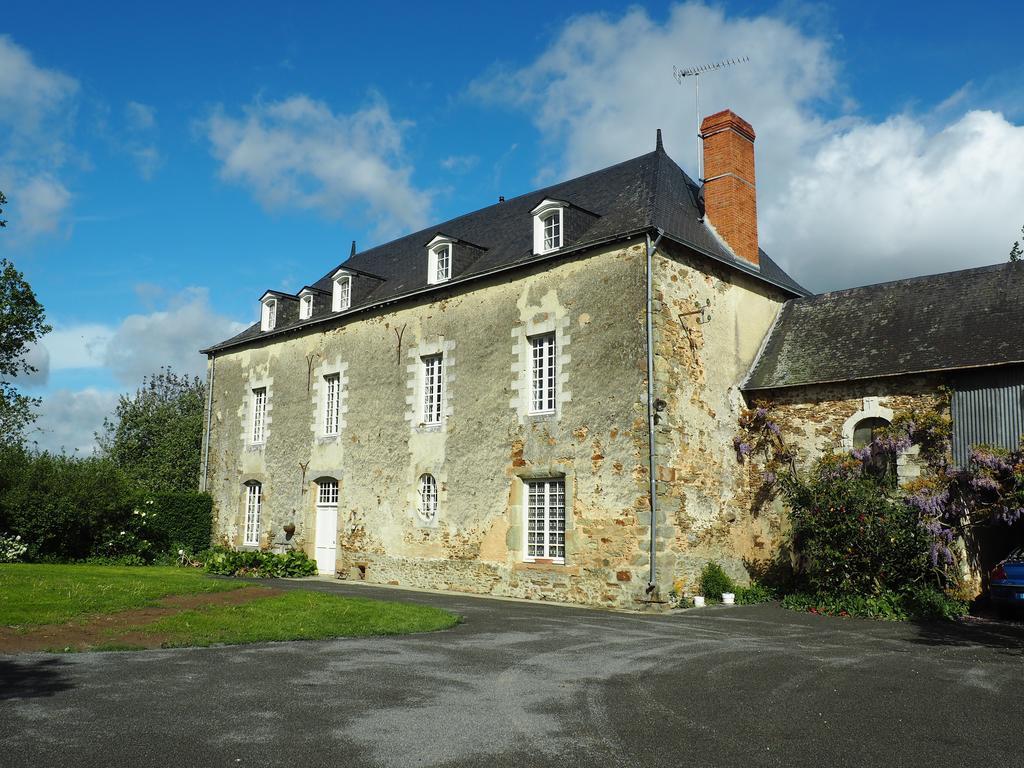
167 164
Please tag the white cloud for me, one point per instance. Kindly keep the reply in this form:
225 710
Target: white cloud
141 344
893 199
843 200
140 117
459 163
298 152
77 346
69 420
37 108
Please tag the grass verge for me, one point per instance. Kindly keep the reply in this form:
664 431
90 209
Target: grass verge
296 615
33 594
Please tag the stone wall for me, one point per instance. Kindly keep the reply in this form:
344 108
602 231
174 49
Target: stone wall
710 321
487 445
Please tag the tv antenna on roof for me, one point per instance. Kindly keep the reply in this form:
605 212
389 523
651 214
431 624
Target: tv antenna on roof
695 73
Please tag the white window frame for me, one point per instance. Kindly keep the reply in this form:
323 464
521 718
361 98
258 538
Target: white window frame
332 405
544 520
327 492
541 215
258 423
268 314
432 367
342 297
253 510
543 373
435 274
305 306
427 496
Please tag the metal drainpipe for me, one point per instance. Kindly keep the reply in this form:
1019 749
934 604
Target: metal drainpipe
651 247
209 421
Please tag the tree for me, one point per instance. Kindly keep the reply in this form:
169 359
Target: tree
3 201
22 323
1016 252
156 436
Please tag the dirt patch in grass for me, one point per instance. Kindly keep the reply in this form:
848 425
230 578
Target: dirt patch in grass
120 631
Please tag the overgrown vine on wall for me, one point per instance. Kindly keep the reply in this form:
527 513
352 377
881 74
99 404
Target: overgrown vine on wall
948 501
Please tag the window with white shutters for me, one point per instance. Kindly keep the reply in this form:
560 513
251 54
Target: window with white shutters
545 520
542 374
259 414
432 389
332 404
253 503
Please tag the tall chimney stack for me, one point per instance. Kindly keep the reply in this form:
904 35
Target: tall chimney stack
730 194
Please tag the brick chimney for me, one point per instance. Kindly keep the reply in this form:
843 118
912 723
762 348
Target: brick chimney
730 195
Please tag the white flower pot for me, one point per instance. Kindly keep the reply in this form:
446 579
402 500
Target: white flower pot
729 598
698 601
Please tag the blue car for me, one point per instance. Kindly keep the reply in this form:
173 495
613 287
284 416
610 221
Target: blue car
1006 583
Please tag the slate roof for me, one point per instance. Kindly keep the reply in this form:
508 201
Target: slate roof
954 320
644 194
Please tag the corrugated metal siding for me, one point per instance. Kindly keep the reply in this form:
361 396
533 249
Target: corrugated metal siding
988 407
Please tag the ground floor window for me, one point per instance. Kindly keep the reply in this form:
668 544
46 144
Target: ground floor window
253 502
545 520
428 497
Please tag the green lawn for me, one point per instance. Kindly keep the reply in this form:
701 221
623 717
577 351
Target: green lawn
33 595
297 615
54 594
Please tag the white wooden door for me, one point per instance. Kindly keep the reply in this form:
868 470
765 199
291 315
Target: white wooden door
326 539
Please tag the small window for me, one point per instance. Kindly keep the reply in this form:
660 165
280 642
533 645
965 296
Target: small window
259 414
306 307
428 497
332 404
342 293
442 263
268 318
548 226
542 374
866 430
545 520
432 389
327 493
253 504
553 231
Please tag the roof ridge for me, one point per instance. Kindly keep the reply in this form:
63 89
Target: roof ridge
913 279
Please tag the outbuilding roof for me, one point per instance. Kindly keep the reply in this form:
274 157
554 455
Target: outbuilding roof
645 194
965 319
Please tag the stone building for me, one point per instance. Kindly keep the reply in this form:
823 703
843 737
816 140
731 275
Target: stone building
539 399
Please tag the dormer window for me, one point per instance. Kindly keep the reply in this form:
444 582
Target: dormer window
342 291
548 226
439 260
305 306
268 314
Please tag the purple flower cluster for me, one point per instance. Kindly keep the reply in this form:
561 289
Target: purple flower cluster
990 460
929 504
769 478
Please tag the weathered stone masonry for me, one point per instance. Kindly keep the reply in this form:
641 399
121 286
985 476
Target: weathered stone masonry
480 454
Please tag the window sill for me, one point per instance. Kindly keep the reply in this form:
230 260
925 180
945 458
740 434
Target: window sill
547 566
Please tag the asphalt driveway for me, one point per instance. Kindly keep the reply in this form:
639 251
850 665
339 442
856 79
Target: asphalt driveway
536 685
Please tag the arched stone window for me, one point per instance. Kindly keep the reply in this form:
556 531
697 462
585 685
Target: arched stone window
428 497
866 430
871 412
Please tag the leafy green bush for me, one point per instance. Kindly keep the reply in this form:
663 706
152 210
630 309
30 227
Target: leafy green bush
63 507
754 594
919 602
68 509
853 537
182 520
228 562
714 581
